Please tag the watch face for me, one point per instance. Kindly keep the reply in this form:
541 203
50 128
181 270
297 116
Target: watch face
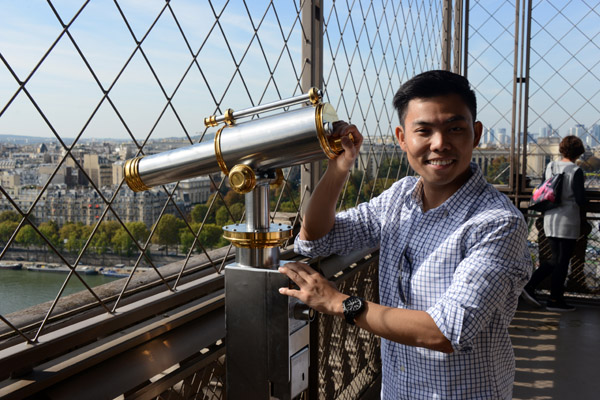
353 304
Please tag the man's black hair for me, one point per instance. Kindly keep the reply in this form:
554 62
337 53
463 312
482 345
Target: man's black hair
433 84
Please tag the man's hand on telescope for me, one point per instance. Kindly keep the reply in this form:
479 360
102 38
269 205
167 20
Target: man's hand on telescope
314 290
345 161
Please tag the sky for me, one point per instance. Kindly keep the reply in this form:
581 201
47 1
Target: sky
233 68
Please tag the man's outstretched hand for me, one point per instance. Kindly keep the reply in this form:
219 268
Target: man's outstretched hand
314 290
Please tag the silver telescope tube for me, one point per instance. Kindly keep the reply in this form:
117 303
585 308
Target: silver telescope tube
281 140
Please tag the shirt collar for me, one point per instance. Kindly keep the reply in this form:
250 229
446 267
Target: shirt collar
457 205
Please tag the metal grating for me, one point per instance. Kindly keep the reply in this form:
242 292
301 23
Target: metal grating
349 358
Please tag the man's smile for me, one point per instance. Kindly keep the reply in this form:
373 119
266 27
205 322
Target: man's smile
439 162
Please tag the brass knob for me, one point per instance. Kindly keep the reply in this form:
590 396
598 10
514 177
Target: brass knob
242 178
314 96
229 117
275 183
336 144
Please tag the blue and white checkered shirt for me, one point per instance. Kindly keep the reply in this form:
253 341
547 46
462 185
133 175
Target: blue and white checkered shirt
464 263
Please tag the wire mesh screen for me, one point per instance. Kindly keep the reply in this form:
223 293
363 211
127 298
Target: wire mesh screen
490 70
86 86
564 86
369 49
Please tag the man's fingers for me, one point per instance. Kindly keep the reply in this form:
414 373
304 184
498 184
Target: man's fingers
293 273
289 292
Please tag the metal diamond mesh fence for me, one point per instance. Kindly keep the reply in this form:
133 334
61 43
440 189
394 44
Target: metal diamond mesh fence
86 85
491 37
369 49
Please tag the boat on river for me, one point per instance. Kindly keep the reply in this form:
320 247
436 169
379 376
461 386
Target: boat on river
85 270
120 271
11 265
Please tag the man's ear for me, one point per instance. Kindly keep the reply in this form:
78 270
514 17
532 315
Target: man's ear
478 129
399 132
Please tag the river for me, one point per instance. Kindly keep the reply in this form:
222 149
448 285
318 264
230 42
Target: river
20 289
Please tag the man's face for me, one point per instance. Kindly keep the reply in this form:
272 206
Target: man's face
438 137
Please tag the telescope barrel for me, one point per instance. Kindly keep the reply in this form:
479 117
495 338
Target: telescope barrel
277 141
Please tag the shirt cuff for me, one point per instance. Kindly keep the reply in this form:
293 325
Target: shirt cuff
449 319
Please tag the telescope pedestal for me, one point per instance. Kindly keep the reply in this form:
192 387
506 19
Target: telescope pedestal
267 333
267 348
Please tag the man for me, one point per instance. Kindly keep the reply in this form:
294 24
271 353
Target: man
453 257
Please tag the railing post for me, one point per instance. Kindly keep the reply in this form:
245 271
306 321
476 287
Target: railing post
458 32
312 76
447 35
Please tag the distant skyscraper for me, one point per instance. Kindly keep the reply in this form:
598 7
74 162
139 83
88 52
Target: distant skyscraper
546 131
595 135
488 136
578 130
502 137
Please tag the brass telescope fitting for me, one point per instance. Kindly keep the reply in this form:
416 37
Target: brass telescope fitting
242 179
132 175
240 236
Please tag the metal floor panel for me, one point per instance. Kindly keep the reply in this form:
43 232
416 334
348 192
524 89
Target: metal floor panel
556 353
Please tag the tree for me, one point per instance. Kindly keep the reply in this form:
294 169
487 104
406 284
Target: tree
27 236
7 228
498 171
351 190
211 236
9 216
376 187
212 211
198 212
74 236
50 230
222 217
233 197
186 239
167 231
139 230
102 240
237 210
122 243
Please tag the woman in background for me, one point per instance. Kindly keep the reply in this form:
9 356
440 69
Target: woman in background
561 226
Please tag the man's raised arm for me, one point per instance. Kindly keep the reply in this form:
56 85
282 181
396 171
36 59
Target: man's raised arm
320 214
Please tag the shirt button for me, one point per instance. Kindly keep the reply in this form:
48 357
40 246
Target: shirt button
402 369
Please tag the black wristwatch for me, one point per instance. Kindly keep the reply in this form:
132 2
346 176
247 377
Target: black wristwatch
353 306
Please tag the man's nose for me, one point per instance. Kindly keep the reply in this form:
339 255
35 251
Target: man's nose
439 141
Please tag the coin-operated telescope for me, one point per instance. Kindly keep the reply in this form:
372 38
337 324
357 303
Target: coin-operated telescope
267 334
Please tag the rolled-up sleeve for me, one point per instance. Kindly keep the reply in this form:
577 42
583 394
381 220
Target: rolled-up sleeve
355 228
496 263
